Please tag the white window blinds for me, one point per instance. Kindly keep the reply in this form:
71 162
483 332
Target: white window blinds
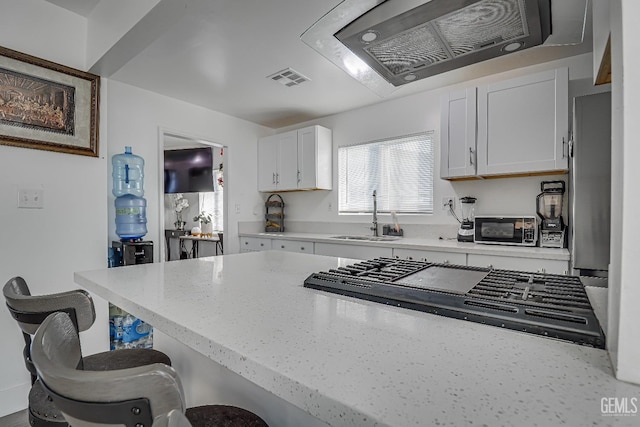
399 169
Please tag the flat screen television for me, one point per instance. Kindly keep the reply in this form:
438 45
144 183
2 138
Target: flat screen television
188 171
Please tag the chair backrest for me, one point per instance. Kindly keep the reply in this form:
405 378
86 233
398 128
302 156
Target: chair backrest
130 397
172 419
31 310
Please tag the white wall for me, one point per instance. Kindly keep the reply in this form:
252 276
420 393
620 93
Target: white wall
135 115
47 245
417 113
624 288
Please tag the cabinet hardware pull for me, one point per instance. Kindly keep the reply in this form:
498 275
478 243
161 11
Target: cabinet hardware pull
470 156
298 176
563 144
273 178
277 178
302 248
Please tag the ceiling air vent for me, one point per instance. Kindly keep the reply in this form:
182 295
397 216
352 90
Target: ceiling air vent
288 77
441 35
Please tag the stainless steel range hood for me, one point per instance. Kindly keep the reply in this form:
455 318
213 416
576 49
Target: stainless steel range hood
404 42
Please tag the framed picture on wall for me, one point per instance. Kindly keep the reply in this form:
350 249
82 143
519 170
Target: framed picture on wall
47 106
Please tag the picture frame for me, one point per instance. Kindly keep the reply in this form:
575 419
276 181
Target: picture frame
47 106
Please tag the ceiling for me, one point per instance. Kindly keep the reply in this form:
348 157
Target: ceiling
218 54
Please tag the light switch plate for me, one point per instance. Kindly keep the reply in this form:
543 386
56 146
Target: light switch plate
30 198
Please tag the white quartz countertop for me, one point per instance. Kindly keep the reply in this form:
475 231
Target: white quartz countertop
352 362
442 245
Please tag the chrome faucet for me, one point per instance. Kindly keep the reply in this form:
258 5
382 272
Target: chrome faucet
375 215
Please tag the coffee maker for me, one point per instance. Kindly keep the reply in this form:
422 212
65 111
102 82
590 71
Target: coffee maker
549 208
468 208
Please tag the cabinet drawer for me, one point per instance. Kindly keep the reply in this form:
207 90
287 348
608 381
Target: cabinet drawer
292 246
351 251
520 264
253 244
431 256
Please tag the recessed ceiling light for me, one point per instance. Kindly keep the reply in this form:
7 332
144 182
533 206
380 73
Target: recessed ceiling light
410 77
512 46
369 36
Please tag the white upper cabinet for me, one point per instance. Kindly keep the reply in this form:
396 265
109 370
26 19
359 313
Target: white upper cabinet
295 160
268 162
523 124
315 158
458 134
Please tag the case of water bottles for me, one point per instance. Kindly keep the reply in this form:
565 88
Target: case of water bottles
127 331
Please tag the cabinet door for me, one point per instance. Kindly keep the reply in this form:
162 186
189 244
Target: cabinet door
267 162
533 265
351 251
254 244
314 158
287 174
431 256
292 246
458 134
523 124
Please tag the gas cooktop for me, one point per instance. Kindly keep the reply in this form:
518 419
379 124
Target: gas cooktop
551 305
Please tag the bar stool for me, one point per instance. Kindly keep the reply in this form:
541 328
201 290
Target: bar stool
133 397
30 311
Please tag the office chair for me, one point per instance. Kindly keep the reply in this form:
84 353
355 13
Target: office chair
30 311
134 397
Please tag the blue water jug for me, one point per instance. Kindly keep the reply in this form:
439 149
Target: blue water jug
131 217
128 174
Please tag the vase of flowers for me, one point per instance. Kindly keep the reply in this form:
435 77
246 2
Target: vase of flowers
179 204
205 223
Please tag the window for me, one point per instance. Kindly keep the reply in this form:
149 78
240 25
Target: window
399 169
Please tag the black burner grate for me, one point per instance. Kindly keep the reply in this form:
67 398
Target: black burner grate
545 304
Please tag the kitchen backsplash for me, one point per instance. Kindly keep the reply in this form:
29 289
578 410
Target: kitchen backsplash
425 231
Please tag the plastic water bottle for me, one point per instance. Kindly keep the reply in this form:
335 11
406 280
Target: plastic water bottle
128 174
131 217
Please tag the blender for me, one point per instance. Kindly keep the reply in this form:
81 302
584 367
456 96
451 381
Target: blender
468 208
549 208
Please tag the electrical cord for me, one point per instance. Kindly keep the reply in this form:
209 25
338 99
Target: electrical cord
453 212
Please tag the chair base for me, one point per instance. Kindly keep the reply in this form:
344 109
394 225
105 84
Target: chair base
42 411
223 416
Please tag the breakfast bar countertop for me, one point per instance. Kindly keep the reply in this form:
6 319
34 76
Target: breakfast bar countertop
352 362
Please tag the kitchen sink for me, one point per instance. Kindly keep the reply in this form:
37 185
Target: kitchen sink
367 238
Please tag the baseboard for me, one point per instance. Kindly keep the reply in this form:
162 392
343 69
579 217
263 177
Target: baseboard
14 399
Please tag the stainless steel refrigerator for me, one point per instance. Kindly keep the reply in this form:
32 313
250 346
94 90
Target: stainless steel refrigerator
590 185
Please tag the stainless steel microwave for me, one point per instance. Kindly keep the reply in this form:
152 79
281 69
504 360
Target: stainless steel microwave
506 230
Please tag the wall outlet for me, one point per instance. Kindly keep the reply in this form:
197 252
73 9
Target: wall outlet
448 201
30 198
330 207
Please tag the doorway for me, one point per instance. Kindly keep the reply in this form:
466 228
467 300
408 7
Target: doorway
179 211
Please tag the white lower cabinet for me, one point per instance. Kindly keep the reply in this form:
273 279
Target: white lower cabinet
535 265
352 251
431 256
292 246
254 244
